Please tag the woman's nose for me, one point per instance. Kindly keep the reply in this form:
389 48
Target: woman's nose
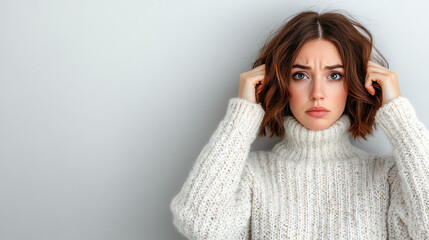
317 91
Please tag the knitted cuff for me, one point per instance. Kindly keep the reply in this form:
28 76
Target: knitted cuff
397 118
245 115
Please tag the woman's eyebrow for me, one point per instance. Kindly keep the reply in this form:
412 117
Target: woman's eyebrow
327 67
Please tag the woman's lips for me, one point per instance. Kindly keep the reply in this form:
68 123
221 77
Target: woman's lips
317 113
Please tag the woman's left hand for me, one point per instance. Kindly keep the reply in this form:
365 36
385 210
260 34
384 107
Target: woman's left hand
387 79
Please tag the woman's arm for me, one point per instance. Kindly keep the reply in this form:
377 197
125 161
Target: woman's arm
214 202
408 214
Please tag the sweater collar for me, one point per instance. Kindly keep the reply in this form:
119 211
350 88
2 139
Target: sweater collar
312 145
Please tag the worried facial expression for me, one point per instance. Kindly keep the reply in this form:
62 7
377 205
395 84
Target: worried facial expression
317 80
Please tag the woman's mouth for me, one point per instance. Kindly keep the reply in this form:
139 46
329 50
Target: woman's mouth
317 113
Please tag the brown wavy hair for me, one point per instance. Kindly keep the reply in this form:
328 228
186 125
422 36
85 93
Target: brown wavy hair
354 43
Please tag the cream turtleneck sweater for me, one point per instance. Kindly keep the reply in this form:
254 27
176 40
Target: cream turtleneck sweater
314 184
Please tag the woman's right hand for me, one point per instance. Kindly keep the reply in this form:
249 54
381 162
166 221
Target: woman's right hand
251 83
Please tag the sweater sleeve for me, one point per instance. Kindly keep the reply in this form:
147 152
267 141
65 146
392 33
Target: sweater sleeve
215 200
408 213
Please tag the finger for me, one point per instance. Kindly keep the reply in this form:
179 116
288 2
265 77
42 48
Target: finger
251 74
258 68
255 79
377 77
254 72
372 63
378 69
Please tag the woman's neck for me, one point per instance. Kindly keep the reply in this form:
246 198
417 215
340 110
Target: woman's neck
301 143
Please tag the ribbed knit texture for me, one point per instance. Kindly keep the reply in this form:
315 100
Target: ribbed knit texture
314 184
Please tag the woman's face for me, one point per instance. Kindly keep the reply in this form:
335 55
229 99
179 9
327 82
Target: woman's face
313 83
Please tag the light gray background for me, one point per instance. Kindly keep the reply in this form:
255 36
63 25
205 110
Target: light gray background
105 105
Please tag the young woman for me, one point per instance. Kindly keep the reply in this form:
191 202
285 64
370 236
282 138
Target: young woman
315 85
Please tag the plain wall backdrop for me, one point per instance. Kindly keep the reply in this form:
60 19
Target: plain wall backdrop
105 105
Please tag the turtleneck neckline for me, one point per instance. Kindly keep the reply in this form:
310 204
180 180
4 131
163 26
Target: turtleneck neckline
301 143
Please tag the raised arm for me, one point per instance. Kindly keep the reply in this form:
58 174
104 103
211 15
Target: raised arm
408 214
215 201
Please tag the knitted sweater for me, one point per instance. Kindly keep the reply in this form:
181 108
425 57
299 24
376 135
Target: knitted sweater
313 184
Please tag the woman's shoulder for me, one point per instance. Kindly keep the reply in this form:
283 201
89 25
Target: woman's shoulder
380 164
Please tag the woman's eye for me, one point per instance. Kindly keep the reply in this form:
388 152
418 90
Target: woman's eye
339 76
298 74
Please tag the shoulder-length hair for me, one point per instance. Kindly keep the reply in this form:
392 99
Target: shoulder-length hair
279 53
